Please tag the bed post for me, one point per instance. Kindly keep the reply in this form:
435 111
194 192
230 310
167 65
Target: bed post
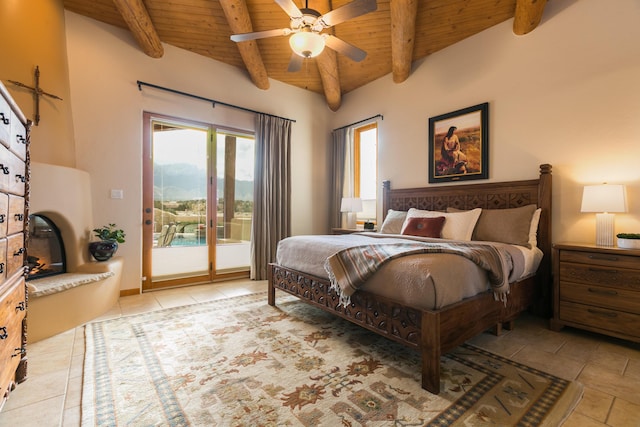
271 290
386 199
430 351
542 303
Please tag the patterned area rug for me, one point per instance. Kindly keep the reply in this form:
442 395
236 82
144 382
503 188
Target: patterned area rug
241 362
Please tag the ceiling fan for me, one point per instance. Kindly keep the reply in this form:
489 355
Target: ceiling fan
306 26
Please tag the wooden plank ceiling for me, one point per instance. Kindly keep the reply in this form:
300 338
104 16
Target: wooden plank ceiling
396 34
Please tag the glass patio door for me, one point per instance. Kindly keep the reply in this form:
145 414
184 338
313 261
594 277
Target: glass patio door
198 201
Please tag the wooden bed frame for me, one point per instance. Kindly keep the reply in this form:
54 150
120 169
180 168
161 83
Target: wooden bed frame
434 332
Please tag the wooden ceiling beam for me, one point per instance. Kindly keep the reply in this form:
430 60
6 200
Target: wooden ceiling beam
137 18
239 20
403 35
327 63
528 15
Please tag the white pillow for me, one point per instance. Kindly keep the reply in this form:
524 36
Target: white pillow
393 222
533 230
457 226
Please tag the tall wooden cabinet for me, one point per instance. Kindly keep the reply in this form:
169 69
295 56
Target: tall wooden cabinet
14 190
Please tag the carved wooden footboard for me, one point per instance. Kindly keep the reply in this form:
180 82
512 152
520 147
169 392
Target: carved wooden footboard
430 332
434 332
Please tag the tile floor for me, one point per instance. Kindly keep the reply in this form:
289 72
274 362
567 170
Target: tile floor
609 369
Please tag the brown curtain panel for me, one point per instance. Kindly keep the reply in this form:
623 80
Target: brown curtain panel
272 191
338 157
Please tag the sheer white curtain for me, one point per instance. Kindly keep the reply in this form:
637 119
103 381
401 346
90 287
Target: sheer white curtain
272 191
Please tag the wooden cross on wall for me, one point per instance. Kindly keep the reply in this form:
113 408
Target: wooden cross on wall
37 93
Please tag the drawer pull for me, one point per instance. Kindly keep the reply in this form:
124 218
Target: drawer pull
2 217
5 169
4 119
18 217
602 313
603 292
20 306
3 333
603 257
18 351
606 270
1 267
20 178
18 252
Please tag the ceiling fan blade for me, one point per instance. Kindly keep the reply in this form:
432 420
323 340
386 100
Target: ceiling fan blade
344 48
295 64
348 11
260 35
290 8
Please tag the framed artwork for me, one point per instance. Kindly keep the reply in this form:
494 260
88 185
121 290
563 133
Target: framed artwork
459 145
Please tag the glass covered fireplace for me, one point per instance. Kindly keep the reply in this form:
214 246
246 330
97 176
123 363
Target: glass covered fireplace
45 249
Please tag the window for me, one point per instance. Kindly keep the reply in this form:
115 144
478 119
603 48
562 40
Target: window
365 170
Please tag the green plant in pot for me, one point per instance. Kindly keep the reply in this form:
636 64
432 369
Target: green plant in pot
628 240
109 237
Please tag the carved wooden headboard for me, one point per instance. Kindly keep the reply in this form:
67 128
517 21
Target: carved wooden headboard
492 195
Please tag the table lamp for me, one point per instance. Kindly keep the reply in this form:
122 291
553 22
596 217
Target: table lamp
604 200
351 205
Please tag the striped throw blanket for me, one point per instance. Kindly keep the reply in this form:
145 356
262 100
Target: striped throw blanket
349 268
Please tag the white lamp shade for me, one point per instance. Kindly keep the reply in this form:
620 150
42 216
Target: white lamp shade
351 204
306 43
604 198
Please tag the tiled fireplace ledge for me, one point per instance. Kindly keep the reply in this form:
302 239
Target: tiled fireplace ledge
73 303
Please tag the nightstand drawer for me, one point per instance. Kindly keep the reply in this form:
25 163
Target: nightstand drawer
595 275
600 296
600 318
603 259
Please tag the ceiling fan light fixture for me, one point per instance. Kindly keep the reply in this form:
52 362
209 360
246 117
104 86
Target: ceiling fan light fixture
307 44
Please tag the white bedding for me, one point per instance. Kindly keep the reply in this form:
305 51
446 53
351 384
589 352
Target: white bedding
423 281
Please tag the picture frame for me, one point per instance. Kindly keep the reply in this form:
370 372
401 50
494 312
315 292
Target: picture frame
464 154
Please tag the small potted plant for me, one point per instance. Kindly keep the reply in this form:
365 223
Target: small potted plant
628 240
109 237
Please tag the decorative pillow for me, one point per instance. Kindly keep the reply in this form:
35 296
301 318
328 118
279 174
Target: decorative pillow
457 226
512 226
533 231
424 227
393 222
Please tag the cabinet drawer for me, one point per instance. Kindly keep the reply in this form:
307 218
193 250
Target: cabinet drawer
17 175
15 219
12 312
4 212
12 173
615 299
600 318
18 137
606 260
15 253
598 275
5 122
3 259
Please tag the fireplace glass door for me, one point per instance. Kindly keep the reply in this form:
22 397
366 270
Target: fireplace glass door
45 249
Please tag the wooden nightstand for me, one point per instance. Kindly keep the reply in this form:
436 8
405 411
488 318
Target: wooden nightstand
345 230
597 289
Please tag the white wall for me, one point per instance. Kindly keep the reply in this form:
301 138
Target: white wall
567 94
105 63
